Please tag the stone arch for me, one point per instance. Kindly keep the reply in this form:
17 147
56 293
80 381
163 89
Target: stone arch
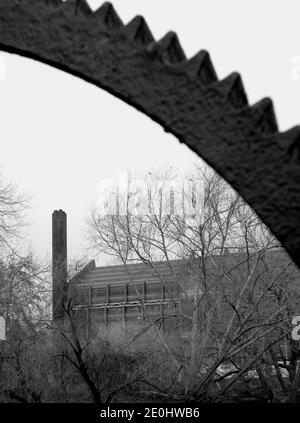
212 117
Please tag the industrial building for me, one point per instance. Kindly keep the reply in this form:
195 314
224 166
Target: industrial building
121 302
116 301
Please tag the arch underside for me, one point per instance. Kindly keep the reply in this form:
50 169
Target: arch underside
212 117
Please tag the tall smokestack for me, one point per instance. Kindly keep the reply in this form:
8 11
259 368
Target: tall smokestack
59 261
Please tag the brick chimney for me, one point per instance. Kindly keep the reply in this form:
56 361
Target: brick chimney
59 261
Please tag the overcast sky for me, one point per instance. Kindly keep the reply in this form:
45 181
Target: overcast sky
62 136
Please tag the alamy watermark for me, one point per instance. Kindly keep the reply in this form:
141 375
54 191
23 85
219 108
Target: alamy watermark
296 328
151 194
295 68
3 68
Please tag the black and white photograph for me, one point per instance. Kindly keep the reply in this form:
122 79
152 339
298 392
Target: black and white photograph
149 216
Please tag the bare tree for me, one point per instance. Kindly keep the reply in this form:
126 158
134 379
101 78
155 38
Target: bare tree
25 303
232 270
13 205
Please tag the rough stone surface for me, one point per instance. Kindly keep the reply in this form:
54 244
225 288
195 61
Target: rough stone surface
212 117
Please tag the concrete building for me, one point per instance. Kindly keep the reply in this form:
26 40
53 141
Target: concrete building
115 302
121 302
